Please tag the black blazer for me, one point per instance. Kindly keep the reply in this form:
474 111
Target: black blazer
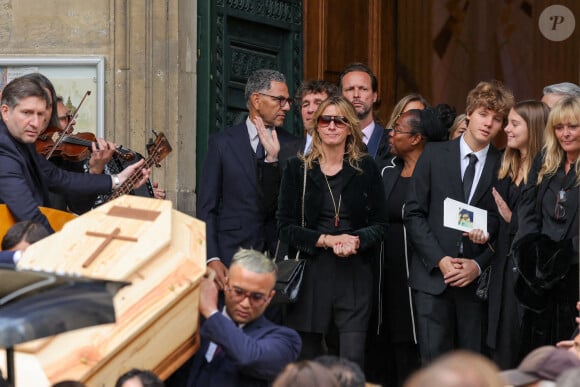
26 178
229 199
362 194
437 176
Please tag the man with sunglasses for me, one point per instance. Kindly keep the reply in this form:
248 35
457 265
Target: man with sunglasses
359 85
239 346
230 199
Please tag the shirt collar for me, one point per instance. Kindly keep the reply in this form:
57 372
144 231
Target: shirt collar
464 150
252 131
368 132
225 313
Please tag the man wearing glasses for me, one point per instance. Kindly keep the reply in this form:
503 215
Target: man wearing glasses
239 346
230 199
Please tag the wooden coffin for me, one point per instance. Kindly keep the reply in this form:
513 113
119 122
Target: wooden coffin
161 252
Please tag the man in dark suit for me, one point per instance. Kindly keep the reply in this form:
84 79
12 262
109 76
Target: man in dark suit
230 199
26 176
359 85
309 96
239 346
446 262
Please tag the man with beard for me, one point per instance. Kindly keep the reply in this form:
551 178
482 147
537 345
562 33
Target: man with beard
359 85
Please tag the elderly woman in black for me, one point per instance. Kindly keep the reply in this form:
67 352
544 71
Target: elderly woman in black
344 223
546 244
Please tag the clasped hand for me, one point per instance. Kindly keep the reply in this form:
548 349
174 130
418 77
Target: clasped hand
458 272
343 245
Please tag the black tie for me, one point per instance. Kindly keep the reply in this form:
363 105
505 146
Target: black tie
260 151
468 176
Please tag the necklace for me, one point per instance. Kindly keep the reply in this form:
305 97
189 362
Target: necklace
336 209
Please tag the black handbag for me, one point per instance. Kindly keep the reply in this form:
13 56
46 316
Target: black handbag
290 270
482 291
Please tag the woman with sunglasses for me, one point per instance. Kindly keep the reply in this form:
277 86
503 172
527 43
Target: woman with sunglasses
524 131
392 351
546 244
344 223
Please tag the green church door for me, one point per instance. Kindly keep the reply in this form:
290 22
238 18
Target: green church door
236 37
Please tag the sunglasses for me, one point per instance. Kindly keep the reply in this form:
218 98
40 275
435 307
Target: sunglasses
339 121
238 295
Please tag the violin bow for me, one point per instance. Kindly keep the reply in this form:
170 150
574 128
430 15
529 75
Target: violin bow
67 127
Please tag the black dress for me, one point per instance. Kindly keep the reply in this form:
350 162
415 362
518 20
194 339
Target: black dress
392 353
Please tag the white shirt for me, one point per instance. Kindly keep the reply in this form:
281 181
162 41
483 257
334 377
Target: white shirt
308 144
368 132
465 151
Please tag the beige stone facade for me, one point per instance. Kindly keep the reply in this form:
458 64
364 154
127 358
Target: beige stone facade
149 48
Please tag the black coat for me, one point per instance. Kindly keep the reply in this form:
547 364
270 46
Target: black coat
363 195
548 265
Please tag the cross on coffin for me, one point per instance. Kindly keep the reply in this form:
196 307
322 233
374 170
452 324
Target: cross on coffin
108 239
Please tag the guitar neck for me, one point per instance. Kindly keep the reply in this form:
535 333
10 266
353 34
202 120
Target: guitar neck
129 184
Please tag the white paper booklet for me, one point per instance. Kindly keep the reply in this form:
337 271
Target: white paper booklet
463 217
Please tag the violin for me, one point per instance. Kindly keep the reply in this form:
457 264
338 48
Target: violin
74 147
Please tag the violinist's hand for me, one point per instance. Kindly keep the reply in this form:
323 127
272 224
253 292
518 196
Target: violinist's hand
137 170
158 193
102 153
269 141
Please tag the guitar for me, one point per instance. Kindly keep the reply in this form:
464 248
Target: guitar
56 218
158 150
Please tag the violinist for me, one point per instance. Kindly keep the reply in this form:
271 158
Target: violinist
26 176
101 153
104 159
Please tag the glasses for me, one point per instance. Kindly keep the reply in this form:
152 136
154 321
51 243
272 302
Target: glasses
238 295
559 209
339 121
397 131
281 100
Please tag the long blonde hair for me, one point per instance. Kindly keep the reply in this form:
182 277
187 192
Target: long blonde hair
535 115
567 110
400 106
354 143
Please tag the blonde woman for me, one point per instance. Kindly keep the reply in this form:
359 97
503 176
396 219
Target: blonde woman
524 130
344 222
546 243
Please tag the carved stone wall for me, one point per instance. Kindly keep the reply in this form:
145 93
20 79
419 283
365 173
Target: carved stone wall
150 73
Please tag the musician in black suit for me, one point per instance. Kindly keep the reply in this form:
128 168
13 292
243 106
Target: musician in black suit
26 176
446 262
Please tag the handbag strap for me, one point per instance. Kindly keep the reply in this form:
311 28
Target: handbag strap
304 192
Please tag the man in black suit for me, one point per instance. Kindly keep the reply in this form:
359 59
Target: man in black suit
309 96
26 176
230 199
446 262
359 85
